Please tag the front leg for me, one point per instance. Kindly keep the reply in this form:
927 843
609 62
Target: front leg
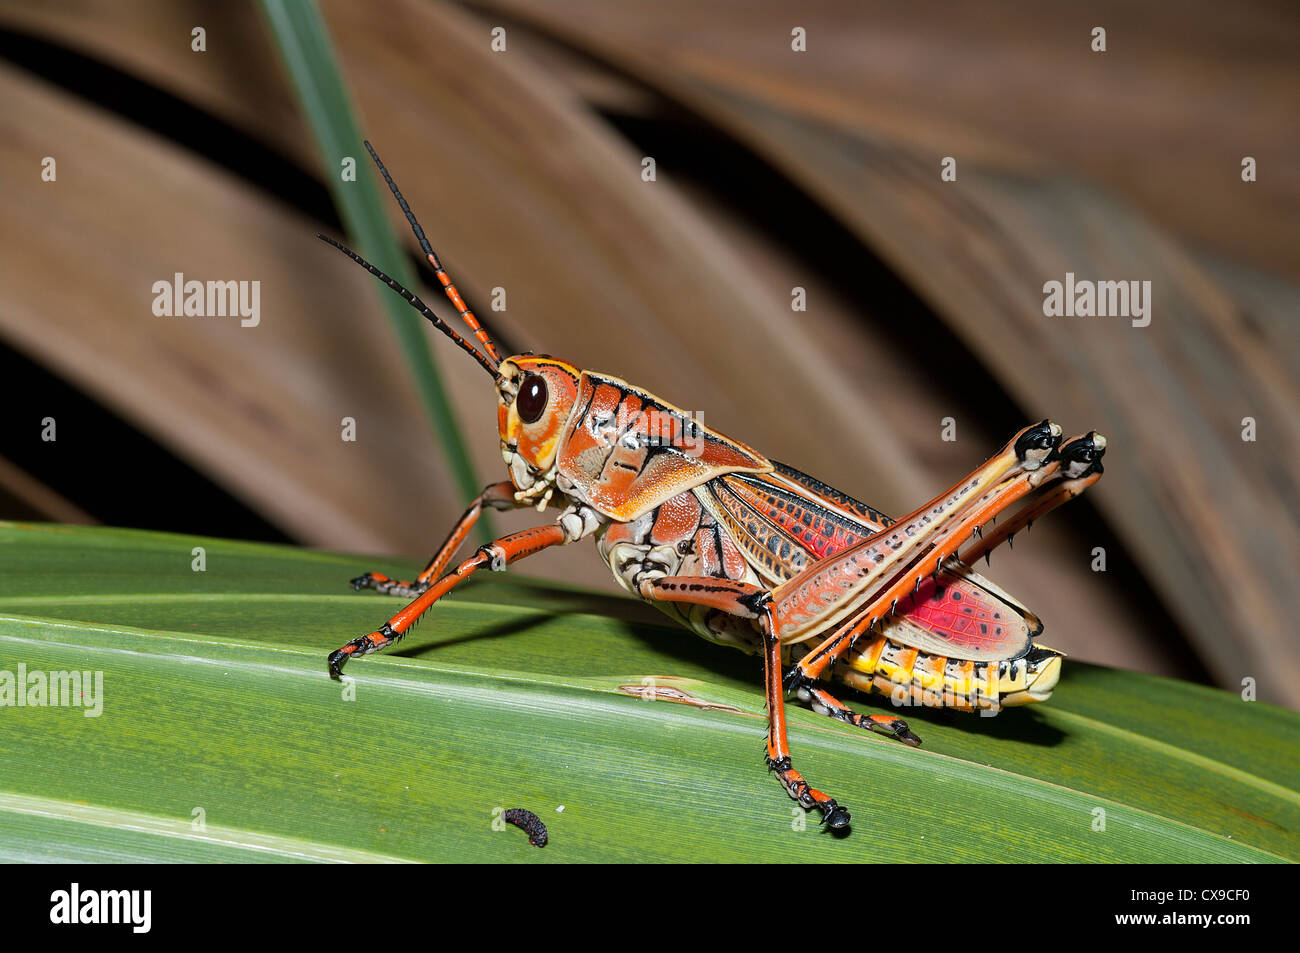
498 496
750 602
495 555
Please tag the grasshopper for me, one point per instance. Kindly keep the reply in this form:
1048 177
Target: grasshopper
754 554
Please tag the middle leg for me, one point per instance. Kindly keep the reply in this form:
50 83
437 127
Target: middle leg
751 602
824 703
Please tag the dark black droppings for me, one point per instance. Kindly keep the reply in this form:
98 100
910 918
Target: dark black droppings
528 822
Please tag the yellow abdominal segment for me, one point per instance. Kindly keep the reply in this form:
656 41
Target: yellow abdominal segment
912 678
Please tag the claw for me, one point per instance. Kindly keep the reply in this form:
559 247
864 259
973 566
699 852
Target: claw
893 727
836 817
908 737
336 661
363 645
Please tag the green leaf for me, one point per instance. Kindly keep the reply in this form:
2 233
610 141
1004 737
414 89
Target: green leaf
518 694
309 58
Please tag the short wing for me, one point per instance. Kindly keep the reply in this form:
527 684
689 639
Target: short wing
626 451
962 615
784 521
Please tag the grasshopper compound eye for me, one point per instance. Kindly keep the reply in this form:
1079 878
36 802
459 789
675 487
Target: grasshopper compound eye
532 398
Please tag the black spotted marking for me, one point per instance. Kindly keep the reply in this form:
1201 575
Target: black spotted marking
840 498
763 543
804 508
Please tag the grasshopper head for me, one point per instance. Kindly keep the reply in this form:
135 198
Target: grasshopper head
534 396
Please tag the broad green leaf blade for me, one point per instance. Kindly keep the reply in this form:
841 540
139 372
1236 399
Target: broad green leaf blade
309 59
515 694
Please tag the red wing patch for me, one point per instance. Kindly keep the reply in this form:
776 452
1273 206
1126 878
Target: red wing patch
960 620
785 520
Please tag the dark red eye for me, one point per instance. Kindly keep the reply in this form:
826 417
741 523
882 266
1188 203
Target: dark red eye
532 398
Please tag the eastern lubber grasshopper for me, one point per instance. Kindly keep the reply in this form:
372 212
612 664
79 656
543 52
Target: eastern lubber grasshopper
752 553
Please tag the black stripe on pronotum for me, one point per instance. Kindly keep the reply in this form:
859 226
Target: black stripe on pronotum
529 822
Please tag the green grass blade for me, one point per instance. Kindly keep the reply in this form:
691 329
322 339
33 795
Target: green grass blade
305 47
518 694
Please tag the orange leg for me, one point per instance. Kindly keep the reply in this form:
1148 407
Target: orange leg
778 747
495 555
827 590
500 496
1038 506
750 602
1079 459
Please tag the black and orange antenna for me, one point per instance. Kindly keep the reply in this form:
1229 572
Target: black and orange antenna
441 273
415 302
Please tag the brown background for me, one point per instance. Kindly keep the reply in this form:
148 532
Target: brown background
775 169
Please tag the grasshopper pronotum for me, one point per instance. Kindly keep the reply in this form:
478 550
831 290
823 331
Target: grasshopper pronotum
752 553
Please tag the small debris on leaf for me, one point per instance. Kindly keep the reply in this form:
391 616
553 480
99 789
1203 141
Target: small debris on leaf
529 822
